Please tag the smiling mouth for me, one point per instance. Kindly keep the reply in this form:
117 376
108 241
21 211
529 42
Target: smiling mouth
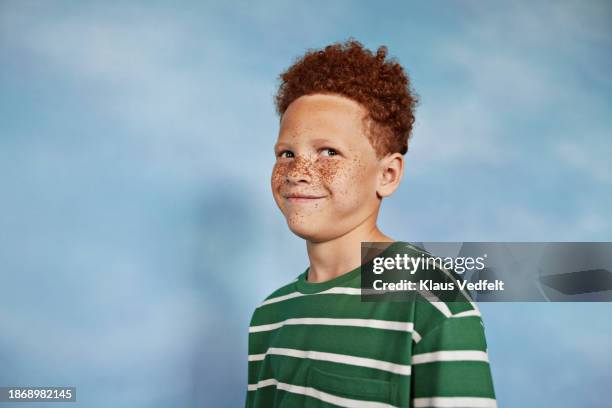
303 199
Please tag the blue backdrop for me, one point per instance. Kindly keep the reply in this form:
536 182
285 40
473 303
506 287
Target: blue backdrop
137 227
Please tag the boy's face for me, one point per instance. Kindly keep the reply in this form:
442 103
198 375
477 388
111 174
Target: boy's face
326 172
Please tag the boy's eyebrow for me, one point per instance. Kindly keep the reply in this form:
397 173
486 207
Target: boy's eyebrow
280 145
324 140
316 141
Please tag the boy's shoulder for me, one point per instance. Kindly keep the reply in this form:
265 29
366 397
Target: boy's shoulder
284 292
268 310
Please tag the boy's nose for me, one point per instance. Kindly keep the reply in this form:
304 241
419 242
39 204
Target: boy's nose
299 171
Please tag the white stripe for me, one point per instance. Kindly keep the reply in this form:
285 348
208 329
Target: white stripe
340 358
468 297
455 402
331 291
320 395
257 357
442 307
266 327
438 304
328 321
262 384
281 298
433 299
467 313
341 291
450 275
454 355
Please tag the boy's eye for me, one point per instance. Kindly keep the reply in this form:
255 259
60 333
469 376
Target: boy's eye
329 152
285 154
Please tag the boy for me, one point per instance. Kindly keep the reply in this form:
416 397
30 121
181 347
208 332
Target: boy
346 115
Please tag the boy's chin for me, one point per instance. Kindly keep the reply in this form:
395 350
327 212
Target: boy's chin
310 232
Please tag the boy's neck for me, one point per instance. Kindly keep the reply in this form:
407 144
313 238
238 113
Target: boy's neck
336 257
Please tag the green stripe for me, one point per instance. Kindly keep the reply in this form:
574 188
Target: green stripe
452 379
466 333
427 317
284 368
338 339
334 306
334 378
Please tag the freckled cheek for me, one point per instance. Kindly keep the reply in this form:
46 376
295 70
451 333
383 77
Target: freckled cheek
276 180
351 185
279 172
328 172
342 176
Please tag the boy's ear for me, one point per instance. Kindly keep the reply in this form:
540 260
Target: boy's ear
391 172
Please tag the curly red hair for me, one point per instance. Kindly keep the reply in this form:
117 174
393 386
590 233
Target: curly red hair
350 70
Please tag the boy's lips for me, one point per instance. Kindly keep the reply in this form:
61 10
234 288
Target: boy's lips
302 198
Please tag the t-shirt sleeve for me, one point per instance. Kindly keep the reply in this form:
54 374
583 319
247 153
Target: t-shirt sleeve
450 366
251 374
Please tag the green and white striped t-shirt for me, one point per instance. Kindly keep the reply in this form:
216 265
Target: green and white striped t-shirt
319 345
